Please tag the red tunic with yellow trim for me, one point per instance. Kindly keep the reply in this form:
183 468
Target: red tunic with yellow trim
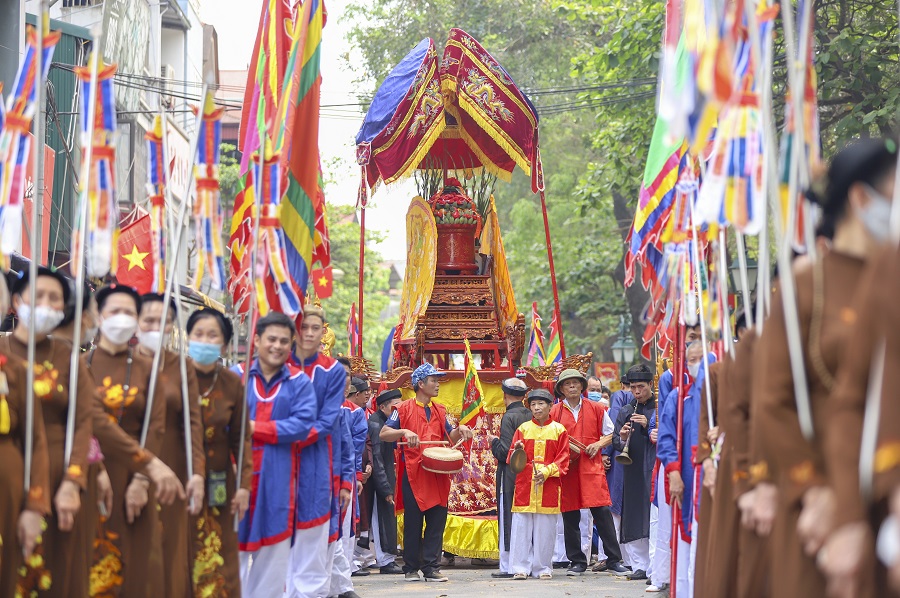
430 489
547 449
585 485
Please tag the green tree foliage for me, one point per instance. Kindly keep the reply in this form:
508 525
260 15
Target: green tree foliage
594 158
344 234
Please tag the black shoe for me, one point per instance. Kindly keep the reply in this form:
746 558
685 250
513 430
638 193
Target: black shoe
560 564
435 575
350 594
636 575
616 567
501 575
576 569
390 569
360 573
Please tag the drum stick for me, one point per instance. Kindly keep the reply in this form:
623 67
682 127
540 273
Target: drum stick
425 442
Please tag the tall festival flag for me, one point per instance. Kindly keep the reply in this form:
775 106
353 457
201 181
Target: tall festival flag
473 394
101 227
353 332
554 355
208 209
157 178
15 140
264 83
536 344
303 208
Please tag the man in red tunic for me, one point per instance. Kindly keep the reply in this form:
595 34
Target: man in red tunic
421 494
584 486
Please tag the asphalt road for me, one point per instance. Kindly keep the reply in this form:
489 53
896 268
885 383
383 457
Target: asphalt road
476 582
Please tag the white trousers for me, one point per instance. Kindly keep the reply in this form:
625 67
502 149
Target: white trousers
661 553
585 527
311 562
684 587
340 566
692 567
531 546
382 558
617 522
263 571
638 553
504 554
363 557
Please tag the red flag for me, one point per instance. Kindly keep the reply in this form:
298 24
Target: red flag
323 281
135 265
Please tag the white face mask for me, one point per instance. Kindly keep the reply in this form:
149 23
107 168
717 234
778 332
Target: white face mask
150 339
46 319
119 328
693 370
876 216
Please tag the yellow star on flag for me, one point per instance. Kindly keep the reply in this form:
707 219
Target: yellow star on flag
136 258
323 281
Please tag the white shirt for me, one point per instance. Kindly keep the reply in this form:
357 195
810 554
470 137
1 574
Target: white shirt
608 427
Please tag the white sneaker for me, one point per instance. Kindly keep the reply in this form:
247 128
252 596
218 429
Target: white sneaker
653 589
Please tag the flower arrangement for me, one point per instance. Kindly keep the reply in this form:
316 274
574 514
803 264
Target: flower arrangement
453 207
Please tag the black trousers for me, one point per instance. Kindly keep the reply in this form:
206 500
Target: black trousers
606 529
422 553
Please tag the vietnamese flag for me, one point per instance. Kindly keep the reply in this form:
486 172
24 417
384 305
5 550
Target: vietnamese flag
323 282
135 265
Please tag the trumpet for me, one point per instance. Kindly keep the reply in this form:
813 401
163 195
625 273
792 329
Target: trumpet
624 458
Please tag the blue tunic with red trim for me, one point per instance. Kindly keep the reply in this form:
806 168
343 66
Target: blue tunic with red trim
320 474
284 412
359 432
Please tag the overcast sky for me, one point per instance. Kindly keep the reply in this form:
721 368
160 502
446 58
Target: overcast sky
236 22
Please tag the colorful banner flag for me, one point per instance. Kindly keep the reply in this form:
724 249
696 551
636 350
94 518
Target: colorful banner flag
158 175
101 227
353 332
15 141
536 343
554 354
261 96
207 207
297 140
473 395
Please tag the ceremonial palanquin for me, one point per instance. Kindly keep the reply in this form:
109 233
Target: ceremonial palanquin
457 125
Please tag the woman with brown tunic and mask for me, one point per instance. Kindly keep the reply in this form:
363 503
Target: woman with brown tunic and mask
122 376
854 209
64 538
175 581
21 514
217 572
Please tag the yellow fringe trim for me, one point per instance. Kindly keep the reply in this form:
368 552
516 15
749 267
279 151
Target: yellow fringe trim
468 537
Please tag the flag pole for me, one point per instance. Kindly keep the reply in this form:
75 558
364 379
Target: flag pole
562 345
37 199
77 266
788 292
362 270
699 290
173 270
678 355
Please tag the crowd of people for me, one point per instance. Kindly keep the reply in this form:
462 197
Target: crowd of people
144 474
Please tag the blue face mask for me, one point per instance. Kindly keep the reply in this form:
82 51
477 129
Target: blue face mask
204 353
595 396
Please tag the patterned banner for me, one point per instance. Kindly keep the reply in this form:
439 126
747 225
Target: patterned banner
157 179
101 227
421 249
496 120
405 119
15 142
208 216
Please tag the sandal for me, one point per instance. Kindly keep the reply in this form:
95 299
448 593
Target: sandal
520 576
546 576
600 566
